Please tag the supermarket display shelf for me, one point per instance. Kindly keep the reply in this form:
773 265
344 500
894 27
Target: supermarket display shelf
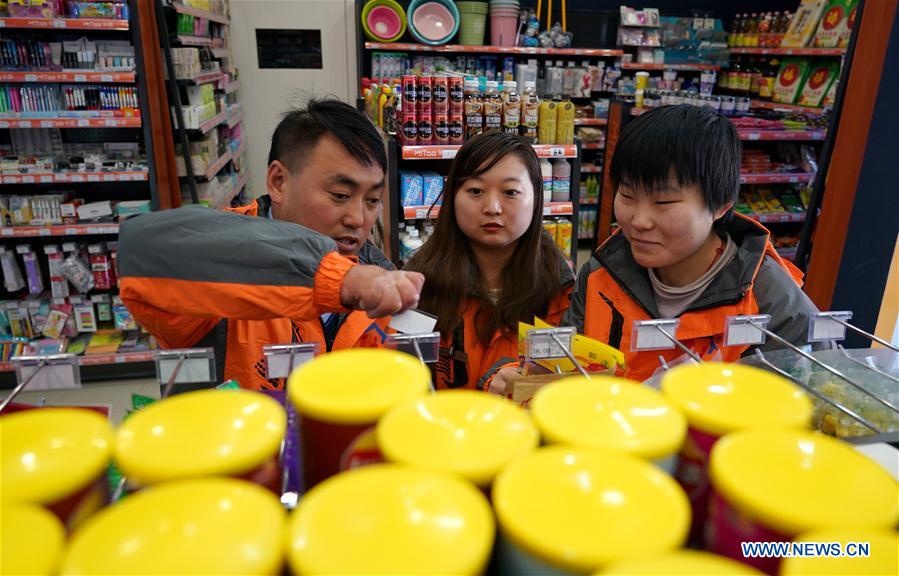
790 51
781 134
777 178
777 217
194 40
590 121
209 125
100 360
226 199
448 152
589 201
768 105
74 177
241 149
198 13
591 170
398 47
593 146
65 230
681 67
42 76
235 117
115 122
214 168
427 212
221 52
789 253
64 23
204 78
232 87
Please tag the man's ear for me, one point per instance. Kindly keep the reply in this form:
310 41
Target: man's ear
276 182
720 212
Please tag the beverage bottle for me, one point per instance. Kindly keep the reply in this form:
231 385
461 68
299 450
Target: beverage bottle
565 121
530 113
546 169
753 30
546 122
764 28
511 107
569 79
413 242
561 180
493 108
740 30
474 109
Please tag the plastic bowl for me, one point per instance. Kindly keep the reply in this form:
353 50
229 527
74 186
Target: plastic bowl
433 22
383 20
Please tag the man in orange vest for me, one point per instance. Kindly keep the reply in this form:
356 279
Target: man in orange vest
282 269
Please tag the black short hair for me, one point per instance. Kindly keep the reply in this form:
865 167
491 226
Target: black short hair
700 145
301 129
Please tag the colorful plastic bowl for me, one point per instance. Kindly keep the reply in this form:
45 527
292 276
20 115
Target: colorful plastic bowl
433 22
383 20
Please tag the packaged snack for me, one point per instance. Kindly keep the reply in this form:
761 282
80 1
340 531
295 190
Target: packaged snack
101 268
846 32
803 24
411 187
432 187
790 80
818 82
77 273
833 24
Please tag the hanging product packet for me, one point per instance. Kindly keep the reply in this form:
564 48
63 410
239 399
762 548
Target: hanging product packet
77 273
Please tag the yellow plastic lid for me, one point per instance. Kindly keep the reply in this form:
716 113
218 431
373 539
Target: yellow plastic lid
681 562
47 454
581 508
197 526
882 559
611 413
794 481
719 398
31 540
391 519
204 433
461 431
356 386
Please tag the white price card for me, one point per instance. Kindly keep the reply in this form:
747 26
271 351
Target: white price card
47 179
30 77
745 330
80 78
649 335
824 326
448 153
278 357
59 23
28 179
106 78
198 365
83 122
59 371
46 124
424 346
421 213
546 343
413 322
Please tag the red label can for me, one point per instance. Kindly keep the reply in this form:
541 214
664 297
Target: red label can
440 94
410 129
441 128
456 94
456 128
425 128
424 94
410 93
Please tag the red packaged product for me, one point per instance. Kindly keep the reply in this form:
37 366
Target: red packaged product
410 94
440 95
456 128
425 128
410 129
424 94
102 269
456 94
441 128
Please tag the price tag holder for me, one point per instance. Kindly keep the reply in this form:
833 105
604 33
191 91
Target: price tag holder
59 372
740 331
648 335
413 322
824 327
278 357
198 365
428 344
542 344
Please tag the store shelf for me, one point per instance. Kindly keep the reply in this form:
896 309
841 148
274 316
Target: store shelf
637 111
778 217
589 202
591 170
232 87
68 230
204 78
680 67
590 121
100 360
593 146
788 253
209 125
777 178
194 40
227 198
64 23
221 52
790 51
449 152
6 122
215 167
74 177
241 150
235 117
198 13
426 212
767 105
804 135
397 47
51 77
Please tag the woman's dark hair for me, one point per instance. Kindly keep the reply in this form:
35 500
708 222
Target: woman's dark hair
532 276
699 145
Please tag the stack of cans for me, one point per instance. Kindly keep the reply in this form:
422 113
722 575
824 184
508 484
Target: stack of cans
432 110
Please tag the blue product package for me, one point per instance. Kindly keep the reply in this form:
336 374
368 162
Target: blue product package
432 186
411 186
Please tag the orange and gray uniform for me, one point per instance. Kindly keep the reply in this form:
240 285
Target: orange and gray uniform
613 291
235 282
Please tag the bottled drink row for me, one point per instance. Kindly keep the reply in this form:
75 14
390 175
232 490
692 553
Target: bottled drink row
766 29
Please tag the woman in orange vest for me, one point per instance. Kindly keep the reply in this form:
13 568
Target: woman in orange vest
489 263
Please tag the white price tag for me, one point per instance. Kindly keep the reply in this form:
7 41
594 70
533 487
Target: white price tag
754 136
28 179
413 322
106 78
71 231
48 179
6 232
111 122
51 377
278 358
4 124
76 178
10 179
647 334
451 153
198 365
83 122
541 345
94 230
24 124
745 331
823 326
421 213
557 152
44 124
93 178
80 78
110 178
44 232
59 23
2 23
30 77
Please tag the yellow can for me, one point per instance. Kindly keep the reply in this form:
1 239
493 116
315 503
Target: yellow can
391 519
681 563
610 413
463 432
205 433
552 228
31 540
868 551
720 398
772 485
342 394
56 457
197 526
563 238
576 510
